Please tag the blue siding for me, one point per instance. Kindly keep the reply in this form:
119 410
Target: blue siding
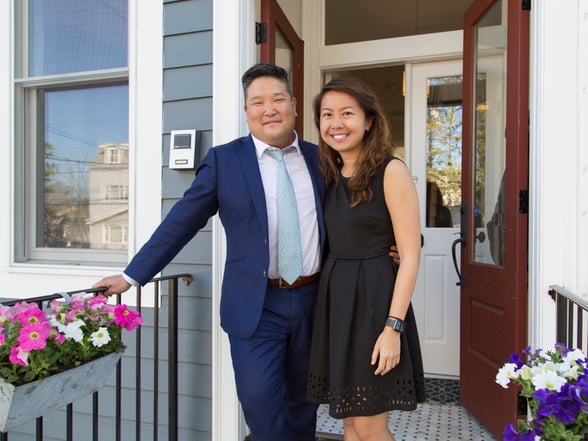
187 82
187 104
187 49
187 114
187 17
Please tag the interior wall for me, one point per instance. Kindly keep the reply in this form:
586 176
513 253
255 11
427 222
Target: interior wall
293 10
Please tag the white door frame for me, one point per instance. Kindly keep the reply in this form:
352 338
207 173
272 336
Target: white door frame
233 21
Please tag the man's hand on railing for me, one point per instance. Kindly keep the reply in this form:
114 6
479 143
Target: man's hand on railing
114 284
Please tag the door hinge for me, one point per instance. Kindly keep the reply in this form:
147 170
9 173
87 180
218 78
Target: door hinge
260 32
524 201
526 5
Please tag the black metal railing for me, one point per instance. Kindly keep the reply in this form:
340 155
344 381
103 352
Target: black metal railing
169 285
571 317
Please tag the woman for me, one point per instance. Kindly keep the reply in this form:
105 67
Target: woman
365 356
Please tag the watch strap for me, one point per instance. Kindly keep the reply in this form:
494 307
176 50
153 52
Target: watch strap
396 324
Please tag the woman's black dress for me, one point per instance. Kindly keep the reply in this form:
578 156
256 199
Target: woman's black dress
353 302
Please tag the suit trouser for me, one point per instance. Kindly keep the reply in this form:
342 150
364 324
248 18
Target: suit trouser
271 367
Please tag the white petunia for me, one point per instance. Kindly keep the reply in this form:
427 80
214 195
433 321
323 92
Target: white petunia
100 337
506 373
548 379
571 373
563 367
524 373
574 356
73 330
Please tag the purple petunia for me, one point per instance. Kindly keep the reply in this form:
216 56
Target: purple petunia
516 359
511 434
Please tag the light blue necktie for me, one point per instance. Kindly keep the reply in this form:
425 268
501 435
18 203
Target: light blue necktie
289 249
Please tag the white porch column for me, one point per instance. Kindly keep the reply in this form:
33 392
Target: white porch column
553 159
233 53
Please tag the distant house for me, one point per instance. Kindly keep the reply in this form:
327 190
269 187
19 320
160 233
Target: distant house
109 195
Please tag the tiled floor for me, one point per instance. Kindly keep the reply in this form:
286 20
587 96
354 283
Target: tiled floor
440 418
430 422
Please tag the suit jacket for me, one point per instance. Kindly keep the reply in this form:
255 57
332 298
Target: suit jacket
227 181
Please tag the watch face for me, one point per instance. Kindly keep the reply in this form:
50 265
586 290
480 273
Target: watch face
395 324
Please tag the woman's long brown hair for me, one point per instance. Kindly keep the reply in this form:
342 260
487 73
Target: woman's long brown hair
377 144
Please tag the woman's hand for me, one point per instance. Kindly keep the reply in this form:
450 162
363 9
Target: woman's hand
386 353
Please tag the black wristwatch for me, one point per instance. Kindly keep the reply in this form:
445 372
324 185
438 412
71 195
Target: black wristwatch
396 324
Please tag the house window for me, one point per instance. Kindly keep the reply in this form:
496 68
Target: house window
116 192
113 156
72 134
115 234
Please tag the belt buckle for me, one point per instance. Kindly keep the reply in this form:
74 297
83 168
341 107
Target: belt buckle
280 280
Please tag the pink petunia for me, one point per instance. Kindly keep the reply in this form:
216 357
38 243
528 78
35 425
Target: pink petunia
31 316
20 307
125 318
18 356
5 313
96 302
34 337
55 334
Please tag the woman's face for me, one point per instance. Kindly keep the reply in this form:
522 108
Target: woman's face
342 122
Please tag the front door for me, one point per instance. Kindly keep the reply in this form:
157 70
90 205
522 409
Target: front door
494 223
436 115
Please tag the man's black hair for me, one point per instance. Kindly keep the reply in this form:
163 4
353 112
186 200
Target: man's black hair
265 70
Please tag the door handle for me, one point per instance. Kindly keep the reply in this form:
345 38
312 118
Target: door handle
461 240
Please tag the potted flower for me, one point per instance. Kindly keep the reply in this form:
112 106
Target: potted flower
49 358
555 385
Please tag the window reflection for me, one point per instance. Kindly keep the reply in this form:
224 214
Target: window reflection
84 195
76 35
444 133
490 142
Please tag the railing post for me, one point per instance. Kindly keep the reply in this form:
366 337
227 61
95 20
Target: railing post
138 349
173 359
156 303
569 310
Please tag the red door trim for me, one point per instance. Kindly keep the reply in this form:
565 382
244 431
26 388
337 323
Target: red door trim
492 405
272 14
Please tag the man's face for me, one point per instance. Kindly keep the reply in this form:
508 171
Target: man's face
271 111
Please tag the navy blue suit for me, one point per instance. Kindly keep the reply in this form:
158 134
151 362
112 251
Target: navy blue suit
228 181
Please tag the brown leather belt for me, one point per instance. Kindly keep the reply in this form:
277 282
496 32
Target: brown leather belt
300 281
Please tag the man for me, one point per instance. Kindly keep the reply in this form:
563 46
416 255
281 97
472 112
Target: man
267 319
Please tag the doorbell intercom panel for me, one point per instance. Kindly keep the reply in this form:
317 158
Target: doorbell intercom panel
182 148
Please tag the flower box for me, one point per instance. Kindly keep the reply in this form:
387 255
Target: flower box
555 385
24 403
38 348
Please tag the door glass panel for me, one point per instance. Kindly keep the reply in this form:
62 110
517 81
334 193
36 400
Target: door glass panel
284 54
348 21
444 126
489 139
